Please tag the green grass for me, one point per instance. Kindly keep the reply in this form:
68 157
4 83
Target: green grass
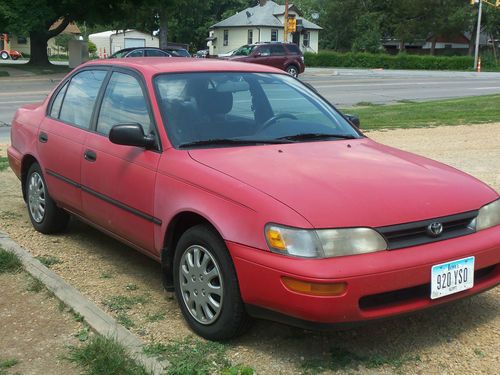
343 359
48 260
122 303
37 69
195 357
106 275
131 287
125 320
9 262
34 285
4 163
101 355
474 110
155 317
6 364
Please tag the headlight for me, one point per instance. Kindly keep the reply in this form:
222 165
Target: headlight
488 216
323 243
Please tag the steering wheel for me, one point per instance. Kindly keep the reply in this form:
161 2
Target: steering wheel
275 118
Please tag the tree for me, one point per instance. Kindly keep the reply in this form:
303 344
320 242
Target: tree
491 26
36 17
63 39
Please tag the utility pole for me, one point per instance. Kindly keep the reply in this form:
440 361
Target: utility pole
285 37
478 33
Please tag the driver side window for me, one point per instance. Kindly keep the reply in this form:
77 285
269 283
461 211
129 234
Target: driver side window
123 103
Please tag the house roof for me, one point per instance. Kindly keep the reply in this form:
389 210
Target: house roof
72 28
262 15
114 32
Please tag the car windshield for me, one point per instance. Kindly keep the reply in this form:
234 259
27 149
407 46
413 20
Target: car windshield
225 109
244 50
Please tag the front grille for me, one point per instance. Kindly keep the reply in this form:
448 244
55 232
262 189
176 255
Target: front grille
399 296
416 233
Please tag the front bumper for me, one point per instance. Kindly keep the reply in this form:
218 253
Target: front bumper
379 285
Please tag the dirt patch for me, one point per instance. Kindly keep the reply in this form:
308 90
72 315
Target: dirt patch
33 329
463 337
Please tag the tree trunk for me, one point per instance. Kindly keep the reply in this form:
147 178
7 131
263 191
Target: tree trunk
38 49
163 28
401 46
494 49
433 45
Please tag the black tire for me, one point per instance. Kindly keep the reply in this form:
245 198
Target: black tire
4 55
232 319
53 219
293 70
14 57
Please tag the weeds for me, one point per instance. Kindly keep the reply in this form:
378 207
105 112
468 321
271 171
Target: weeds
48 260
125 320
4 163
9 262
101 355
122 303
155 317
6 364
34 285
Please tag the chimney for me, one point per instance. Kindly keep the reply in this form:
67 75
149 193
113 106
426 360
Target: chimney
262 2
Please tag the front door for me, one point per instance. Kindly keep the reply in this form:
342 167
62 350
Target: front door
118 181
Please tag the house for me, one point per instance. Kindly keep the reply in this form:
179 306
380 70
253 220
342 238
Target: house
23 44
108 42
262 23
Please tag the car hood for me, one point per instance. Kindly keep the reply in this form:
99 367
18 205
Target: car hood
351 182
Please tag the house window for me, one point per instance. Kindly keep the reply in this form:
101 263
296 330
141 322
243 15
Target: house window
274 35
307 39
250 37
22 40
226 37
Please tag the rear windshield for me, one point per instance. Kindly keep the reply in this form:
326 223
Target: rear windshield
242 107
293 49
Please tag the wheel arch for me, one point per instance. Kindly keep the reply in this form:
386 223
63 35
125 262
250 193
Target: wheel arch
26 163
181 222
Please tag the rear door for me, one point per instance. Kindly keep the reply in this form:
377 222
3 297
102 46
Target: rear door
63 133
278 56
118 181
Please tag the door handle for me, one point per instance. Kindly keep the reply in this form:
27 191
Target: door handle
90 155
43 137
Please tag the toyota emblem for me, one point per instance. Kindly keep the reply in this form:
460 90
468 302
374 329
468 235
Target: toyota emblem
435 229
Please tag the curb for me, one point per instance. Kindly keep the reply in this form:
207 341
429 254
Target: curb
96 318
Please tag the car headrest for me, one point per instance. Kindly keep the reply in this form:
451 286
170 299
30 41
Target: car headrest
215 103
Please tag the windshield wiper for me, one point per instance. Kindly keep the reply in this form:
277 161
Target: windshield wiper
308 136
231 142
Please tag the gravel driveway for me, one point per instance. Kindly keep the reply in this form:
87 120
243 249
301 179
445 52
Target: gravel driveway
459 338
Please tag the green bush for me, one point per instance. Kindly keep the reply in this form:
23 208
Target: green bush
385 61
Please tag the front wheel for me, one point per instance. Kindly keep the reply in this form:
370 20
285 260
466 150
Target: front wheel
206 285
44 214
292 70
4 55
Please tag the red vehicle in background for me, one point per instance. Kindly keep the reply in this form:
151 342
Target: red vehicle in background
5 51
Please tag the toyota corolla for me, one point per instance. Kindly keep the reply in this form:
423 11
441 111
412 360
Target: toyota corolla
255 194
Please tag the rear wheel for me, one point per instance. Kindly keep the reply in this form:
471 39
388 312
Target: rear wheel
15 57
292 70
4 55
206 285
44 214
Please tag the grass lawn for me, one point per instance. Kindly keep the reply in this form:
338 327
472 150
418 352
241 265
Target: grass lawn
473 110
51 69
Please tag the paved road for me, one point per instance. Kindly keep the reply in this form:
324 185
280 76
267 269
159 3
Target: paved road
343 87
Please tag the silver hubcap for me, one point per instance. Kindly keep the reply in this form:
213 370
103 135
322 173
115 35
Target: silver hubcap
201 284
292 71
36 197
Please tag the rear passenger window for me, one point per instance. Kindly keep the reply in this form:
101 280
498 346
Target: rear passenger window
136 53
56 104
293 49
80 98
277 50
123 103
155 53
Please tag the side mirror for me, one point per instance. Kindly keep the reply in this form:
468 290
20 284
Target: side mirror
354 120
131 135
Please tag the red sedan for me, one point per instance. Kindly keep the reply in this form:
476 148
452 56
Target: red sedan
256 195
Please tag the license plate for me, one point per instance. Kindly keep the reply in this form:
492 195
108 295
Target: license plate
452 277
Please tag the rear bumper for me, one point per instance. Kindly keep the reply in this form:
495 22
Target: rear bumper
379 285
15 160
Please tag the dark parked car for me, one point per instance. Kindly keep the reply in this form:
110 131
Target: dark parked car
284 56
140 52
178 52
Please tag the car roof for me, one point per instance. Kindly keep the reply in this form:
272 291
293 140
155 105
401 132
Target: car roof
153 65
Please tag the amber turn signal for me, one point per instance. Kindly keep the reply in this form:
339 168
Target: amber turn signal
314 289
